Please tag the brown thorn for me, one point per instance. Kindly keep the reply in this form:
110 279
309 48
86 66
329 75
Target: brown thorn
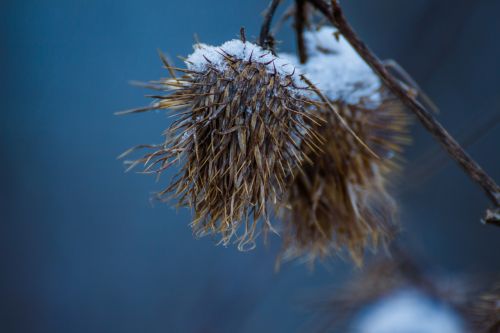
166 63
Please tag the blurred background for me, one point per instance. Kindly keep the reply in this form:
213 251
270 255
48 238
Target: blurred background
83 249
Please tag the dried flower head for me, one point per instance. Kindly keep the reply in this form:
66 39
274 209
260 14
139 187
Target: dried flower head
242 124
341 201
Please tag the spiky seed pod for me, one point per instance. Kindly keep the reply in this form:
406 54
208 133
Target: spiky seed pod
486 312
341 201
240 129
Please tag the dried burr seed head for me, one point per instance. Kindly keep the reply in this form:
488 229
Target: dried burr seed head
240 130
340 201
251 135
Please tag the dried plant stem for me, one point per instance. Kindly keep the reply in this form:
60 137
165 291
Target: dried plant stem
471 167
243 35
265 39
300 22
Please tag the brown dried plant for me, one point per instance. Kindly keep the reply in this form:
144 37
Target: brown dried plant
250 140
334 14
340 200
239 135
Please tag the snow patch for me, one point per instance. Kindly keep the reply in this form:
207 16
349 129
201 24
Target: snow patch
336 68
205 55
333 65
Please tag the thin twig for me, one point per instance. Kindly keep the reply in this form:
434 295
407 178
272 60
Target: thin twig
265 39
243 36
300 22
469 165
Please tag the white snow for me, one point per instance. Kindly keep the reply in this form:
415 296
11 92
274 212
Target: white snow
336 69
204 55
323 39
186 135
333 65
408 311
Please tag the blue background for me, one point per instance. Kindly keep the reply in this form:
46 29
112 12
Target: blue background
82 247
